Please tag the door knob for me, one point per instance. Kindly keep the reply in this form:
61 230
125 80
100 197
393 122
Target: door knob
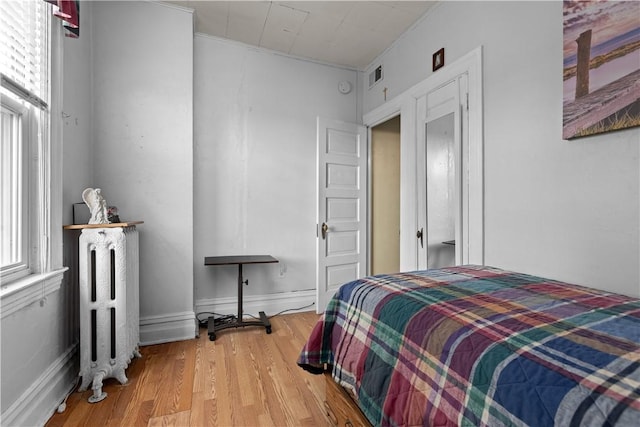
325 228
420 235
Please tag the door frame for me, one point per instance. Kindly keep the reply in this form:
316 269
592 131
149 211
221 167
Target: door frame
405 105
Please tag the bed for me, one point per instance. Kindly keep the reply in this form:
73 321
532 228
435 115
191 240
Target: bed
478 346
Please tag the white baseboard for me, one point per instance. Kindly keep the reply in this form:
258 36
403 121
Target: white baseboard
168 328
183 326
42 398
271 304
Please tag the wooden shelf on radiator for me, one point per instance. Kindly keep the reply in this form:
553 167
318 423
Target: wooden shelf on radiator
110 225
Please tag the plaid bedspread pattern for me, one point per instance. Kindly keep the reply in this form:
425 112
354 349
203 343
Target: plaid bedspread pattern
480 346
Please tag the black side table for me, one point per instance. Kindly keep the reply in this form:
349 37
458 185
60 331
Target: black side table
238 322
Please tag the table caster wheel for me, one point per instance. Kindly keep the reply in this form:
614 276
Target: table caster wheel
268 328
212 337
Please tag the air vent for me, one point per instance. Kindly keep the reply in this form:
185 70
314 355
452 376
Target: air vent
375 76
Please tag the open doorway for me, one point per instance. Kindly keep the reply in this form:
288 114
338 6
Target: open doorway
385 197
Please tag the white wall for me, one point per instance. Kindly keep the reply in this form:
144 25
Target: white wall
77 149
255 163
567 210
143 148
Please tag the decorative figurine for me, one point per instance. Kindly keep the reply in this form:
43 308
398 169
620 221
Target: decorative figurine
97 205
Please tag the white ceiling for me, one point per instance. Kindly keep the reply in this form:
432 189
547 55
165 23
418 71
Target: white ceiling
347 33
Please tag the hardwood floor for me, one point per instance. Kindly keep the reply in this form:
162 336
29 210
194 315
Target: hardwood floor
244 378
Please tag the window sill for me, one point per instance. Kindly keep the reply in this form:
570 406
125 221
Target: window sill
27 290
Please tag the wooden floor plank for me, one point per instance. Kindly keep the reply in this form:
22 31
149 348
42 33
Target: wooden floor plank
178 419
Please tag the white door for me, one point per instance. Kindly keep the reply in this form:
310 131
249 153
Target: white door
342 207
442 178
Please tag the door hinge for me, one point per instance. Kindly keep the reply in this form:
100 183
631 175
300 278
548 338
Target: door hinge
467 101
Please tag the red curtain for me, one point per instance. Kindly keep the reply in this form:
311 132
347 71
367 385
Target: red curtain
69 12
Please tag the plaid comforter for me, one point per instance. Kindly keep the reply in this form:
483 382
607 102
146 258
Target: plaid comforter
481 346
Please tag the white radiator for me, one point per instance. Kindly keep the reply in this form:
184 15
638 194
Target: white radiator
109 305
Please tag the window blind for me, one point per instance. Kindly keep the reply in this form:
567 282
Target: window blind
23 44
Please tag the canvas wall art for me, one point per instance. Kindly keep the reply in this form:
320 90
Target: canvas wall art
601 89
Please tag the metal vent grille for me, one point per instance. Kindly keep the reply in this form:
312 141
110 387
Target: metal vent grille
375 76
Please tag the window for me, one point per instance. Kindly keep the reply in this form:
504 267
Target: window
24 154
13 204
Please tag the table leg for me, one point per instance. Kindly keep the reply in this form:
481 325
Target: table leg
239 322
265 321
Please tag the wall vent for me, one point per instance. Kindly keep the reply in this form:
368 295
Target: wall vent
375 76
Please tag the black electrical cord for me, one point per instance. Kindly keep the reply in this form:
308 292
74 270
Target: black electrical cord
222 318
285 311
228 318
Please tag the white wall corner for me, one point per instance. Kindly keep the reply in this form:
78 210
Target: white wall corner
36 405
271 304
168 328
